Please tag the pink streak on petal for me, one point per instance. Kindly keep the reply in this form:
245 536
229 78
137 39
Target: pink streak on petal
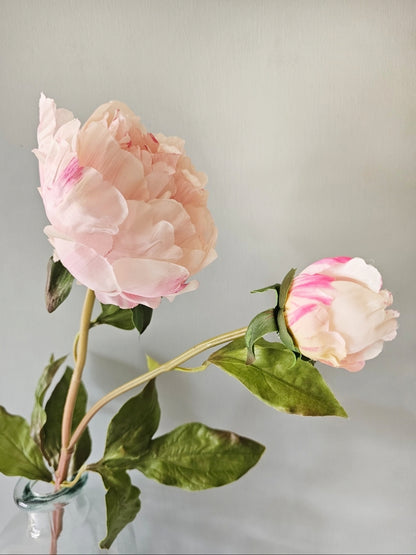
72 173
313 280
295 315
325 263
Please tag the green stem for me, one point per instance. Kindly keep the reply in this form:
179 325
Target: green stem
75 347
80 355
166 367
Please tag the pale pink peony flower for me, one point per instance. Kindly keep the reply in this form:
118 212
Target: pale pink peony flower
336 312
128 211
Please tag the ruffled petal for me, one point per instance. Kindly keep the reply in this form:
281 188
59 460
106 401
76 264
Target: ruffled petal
359 315
150 231
190 286
88 267
57 137
359 271
356 361
92 205
150 278
124 300
326 346
51 120
100 242
98 149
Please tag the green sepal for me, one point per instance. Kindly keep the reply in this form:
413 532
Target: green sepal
19 454
284 333
38 418
284 288
132 428
115 316
58 284
276 287
51 431
279 378
142 316
122 501
263 323
195 457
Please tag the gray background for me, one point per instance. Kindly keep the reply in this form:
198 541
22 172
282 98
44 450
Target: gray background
303 116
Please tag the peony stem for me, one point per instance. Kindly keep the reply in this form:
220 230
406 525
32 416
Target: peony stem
80 355
166 367
75 347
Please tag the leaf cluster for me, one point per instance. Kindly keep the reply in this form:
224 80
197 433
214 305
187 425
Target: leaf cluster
25 447
192 456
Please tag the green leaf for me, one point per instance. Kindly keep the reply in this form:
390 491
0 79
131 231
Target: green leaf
279 379
122 501
132 428
195 457
141 316
152 364
263 323
19 454
115 316
58 284
51 431
38 418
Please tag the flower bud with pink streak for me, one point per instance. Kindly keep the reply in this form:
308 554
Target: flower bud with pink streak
127 209
337 312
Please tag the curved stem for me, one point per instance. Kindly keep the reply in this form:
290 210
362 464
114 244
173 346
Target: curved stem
80 346
166 367
77 478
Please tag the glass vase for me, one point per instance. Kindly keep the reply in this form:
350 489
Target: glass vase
71 520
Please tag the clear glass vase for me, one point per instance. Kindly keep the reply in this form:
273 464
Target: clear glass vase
71 520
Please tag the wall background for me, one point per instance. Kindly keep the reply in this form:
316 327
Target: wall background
302 113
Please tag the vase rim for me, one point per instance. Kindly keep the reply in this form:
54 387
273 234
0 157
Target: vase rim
28 499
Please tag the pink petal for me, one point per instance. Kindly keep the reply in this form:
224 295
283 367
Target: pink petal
325 264
190 286
57 136
359 315
150 278
124 300
100 242
89 268
359 271
99 149
93 205
149 231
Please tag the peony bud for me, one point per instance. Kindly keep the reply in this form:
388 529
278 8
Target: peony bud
127 209
336 312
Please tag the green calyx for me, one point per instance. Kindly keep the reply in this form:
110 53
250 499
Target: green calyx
272 320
